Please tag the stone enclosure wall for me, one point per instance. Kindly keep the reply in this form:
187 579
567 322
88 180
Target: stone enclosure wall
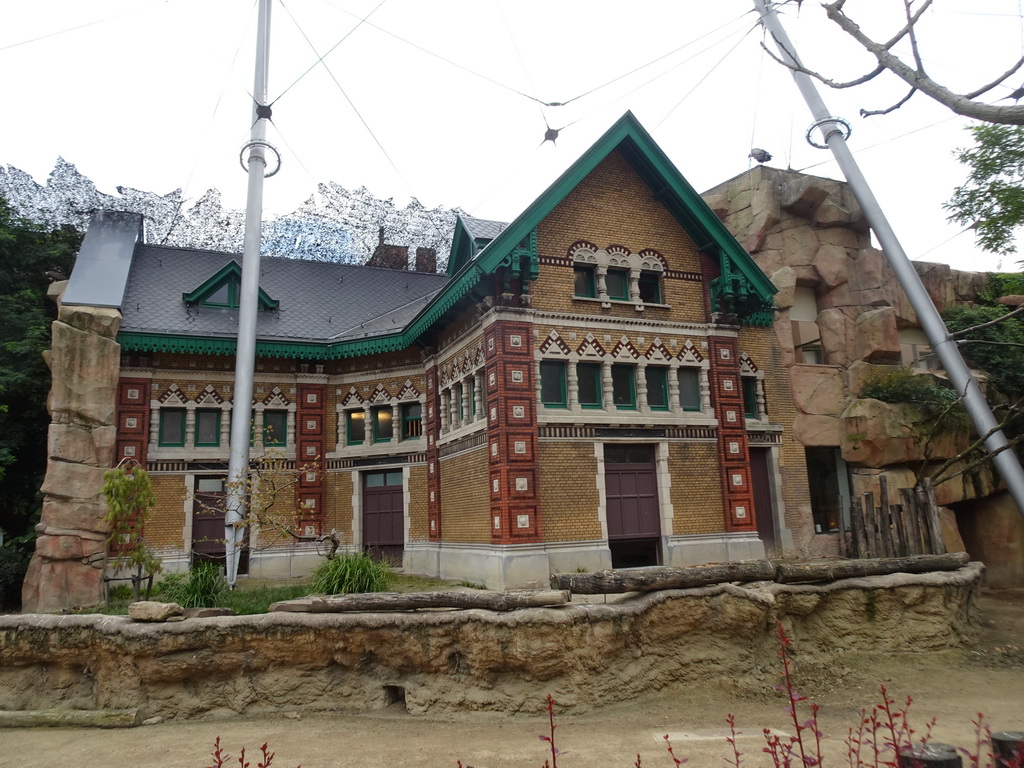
582 654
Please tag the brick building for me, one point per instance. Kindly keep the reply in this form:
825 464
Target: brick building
595 384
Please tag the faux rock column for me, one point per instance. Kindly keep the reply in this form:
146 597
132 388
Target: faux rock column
66 570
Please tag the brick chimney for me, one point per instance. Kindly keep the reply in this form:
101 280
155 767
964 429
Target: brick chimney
426 260
389 256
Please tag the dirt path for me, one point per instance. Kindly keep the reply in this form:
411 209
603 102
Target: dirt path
952 687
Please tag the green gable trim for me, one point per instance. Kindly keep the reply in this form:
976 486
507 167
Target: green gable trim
667 186
230 273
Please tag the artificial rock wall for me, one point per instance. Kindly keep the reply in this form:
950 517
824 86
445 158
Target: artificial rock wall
66 570
806 231
446 661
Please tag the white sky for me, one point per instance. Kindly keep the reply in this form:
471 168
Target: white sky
153 94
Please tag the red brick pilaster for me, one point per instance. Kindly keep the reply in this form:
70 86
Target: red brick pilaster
432 422
511 433
727 396
132 420
310 448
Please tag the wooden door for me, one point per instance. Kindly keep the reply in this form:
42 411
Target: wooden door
384 515
208 539
764 509
633 514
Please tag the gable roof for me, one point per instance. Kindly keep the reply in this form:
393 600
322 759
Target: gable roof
315 302
667 184
381 310
229 273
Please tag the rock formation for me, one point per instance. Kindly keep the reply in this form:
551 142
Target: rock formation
67 568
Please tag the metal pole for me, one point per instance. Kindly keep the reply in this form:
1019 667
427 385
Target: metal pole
931 322
245 355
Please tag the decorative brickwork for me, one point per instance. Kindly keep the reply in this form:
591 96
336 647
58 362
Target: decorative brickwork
310 433
132 420
732 434
512 432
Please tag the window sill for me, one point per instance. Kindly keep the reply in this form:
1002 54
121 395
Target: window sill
608 303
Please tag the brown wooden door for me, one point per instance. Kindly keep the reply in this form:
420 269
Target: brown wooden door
631 494
208 540
764 512
384 515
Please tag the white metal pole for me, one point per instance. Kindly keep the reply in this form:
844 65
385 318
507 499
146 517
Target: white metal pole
245 354
931 321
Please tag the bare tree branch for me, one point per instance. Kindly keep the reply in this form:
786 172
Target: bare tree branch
911 21
1001 318
960 104
997 81
887 110
817 75
993 343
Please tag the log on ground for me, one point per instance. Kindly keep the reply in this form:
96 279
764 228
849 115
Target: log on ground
662 577
801 573
401 601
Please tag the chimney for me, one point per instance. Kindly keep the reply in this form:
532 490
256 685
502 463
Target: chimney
426 260
389 256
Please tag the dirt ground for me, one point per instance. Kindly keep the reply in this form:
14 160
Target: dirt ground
953 687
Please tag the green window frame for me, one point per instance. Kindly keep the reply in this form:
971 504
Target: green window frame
616 282
383 424
750 397
457 396
224 295
412 421
275 428
207 427
689 388
588 380
552 384
650 287
355 427
172 428
624 386
471 396
584 281
657 387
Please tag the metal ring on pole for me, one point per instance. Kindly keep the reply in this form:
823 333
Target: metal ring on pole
259 143
841 125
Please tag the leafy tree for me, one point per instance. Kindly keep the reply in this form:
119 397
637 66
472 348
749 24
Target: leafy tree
992 200
130 499
997 349
27 253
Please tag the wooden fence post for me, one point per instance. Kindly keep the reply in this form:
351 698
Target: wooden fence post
931 755
1008 749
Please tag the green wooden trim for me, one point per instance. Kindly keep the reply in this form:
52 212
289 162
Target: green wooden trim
229 273
557 368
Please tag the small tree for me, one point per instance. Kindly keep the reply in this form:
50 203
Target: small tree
130 498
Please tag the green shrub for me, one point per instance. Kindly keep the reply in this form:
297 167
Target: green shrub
201 589
902 385
1003 358
13 565
354 572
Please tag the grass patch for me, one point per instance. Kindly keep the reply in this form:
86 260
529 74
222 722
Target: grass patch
352 573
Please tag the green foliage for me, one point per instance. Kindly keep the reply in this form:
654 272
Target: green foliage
202 589
354 572
993 196
902 385
1002 284
26 254
129 495
13 564
1003 364
245 601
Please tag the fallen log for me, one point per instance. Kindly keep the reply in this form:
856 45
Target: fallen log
801 573
65 718
402 601
662 577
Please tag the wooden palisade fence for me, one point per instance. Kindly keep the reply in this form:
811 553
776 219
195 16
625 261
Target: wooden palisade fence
909 526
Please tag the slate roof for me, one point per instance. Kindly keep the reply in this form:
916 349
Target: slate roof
318 300
483 229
